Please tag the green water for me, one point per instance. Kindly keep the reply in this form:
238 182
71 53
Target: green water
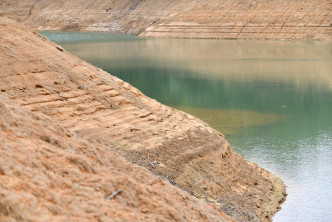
272 100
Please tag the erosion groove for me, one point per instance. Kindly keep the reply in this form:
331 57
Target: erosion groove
112 116
48 173
228 19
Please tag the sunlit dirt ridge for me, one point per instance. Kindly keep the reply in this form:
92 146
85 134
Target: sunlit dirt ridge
110 117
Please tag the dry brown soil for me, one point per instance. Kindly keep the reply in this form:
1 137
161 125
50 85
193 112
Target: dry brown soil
65 164
48 173
227 19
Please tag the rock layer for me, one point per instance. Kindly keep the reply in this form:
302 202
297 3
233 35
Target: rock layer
229 19
117 118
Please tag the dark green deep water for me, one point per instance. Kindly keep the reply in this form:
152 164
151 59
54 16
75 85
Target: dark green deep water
272 99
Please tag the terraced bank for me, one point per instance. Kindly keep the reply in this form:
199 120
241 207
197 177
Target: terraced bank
228 19
115 117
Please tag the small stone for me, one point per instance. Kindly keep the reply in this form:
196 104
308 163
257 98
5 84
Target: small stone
59 48
162 165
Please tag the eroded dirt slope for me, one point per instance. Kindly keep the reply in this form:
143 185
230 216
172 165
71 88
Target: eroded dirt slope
228 19
49 174
116 117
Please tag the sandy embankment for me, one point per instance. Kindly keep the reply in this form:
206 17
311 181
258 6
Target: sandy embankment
67 163
227 19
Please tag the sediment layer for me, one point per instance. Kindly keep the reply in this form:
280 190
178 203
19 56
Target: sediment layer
113 117
229 19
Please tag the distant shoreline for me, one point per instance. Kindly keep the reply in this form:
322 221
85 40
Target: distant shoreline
213 19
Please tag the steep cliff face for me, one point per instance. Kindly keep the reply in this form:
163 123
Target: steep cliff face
117 118
229 19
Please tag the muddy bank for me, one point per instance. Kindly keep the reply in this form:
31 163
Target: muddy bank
115 118
230 19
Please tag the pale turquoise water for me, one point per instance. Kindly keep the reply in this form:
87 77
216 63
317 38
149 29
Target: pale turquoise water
288 80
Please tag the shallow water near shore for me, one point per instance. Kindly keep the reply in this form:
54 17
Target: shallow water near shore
272 100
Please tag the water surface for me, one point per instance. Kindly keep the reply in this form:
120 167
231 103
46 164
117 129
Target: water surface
272 100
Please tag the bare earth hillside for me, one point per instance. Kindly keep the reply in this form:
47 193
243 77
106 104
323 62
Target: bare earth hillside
227 19
114 117
49 174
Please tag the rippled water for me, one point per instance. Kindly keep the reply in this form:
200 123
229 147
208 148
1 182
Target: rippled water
272 99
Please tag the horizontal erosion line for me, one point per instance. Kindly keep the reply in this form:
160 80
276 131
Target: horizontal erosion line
54 100
247 26
233 32
227 30
111 25
230 30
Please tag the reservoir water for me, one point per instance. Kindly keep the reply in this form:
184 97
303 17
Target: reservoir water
272 100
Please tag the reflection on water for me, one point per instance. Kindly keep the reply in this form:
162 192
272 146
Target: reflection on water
230 121
79 37
296 62
272 99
